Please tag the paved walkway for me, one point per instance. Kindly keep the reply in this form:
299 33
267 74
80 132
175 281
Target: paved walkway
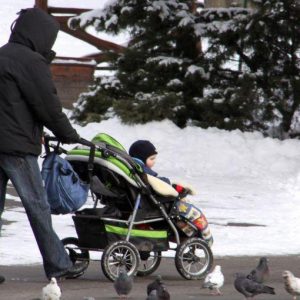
26 282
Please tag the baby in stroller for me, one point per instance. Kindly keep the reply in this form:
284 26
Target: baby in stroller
145 153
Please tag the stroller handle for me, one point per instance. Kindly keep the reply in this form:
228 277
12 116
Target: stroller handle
48 138
91 156
82 141
87 143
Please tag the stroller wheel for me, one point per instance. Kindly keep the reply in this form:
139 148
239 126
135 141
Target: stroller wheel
78 256
193 259
150 261
117 256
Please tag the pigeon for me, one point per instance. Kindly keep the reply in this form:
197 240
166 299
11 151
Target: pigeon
250 288
261 273
51 291
291 284
123 284
154 285
162 293
214 280
152 295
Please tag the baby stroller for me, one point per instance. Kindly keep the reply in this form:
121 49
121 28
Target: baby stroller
138 220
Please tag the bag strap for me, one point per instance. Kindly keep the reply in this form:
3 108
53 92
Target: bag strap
91 156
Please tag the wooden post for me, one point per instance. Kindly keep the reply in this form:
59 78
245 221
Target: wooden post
42 4
84 36
194 7
194 11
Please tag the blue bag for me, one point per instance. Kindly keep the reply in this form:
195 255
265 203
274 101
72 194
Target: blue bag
66 192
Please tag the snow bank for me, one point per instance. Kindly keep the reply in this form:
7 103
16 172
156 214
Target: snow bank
248 187
243 179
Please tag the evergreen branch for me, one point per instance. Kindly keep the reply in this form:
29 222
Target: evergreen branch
252 65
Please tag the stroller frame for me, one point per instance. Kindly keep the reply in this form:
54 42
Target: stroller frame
185 251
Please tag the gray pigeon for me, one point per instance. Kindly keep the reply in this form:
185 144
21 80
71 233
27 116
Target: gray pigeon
123 284
152 295
154 285
261 273
162 293
250 288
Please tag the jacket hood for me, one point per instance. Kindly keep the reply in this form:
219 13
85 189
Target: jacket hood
35 29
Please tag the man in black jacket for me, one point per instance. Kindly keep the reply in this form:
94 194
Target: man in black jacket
28 101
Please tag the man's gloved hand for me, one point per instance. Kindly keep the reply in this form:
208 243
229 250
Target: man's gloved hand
70 140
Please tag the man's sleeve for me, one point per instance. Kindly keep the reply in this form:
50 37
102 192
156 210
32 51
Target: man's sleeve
36 85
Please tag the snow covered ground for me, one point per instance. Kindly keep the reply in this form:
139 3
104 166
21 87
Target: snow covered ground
241 178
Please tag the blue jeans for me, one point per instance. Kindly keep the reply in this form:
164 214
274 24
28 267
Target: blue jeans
25 176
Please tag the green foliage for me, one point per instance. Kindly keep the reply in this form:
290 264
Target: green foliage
160 71
93 106
266 41
247 77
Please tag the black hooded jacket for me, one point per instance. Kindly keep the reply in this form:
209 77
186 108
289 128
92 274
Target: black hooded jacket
28 98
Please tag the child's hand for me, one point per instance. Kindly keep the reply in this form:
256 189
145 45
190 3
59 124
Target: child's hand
184 188
179 188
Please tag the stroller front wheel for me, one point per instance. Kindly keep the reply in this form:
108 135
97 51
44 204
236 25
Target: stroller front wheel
117 256
193 259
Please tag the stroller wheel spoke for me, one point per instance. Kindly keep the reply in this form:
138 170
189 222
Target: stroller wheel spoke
201 263
113 263
125 255
189 267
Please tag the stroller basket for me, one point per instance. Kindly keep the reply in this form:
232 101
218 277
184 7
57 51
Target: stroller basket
90 230
95 233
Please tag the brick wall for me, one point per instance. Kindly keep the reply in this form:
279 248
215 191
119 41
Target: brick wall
71 79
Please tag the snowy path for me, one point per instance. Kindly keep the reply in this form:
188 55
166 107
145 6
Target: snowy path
224 202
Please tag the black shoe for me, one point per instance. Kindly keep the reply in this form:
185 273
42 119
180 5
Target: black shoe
75 271
2 279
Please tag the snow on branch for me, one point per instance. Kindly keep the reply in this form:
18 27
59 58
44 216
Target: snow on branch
87 18
191 70
164 60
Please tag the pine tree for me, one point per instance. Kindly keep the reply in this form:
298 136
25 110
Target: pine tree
161 73
265 91
246 77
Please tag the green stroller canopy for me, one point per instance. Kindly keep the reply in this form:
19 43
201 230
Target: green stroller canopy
81 153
